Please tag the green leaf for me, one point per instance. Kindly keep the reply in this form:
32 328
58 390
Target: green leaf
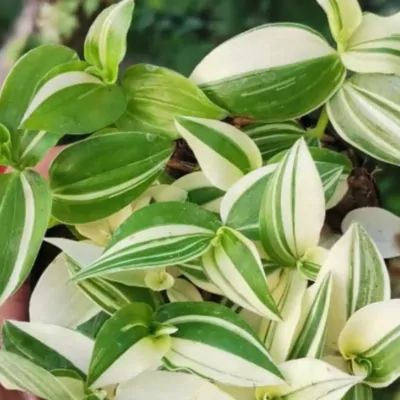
374 46
156 95
344 18
260 84
21 83
158 235
200 190
373 348
271 139
234 265
309 379
105 44
309 338
56 300
125 347
49 346
277 336
30 378
225 154
359 277
111 296
240 207
74 102
25 206
92 327
366 115
88 185
161 385
293 209
216 343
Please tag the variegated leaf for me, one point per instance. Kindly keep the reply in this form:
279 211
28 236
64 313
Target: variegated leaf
260 83
293 208
159 235
312 262
164 385
359 277
234 266
49 346
56 300
25 376
225 153
194 271
157 95
308 379
200 190
288 295
111 296
21 83
271 139
25 207
127 346
216 343
359 392
240 207
375 45
105 44
73 102
309 338
182 290
381 225
365 113
344 17
371 341
87 187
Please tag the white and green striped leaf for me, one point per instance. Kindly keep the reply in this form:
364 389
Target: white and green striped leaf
288 295
25 207
105 43
157 95
311 263
49 346
214 342
344 17
56 300
183 290
308 379
271 139
164 385
366 114
21 83
309 338
371 341
28 377
293 208
194 271
240 207
224 153
74 102
160 235
375 45
381 225
110 296
274 79
359 392
234 266
201 191
359 277
87 187
126 346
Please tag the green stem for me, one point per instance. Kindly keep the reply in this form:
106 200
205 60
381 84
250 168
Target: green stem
319 130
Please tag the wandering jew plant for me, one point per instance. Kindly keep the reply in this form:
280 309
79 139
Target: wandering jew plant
216 285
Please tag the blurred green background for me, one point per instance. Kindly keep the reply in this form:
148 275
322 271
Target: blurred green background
173 33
